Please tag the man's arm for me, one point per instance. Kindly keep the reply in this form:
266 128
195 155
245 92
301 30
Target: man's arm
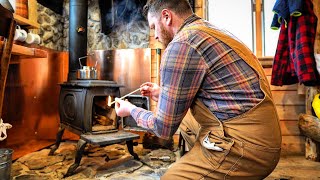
182 72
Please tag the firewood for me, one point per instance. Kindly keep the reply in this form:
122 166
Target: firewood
112 115
98 128
103 120
310 126
312 150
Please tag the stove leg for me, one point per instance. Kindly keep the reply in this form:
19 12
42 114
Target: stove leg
130 145
80 148
58 140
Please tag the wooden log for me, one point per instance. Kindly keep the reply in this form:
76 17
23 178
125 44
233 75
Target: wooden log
310 126
104 114
112 116
312 146
312 150
103 120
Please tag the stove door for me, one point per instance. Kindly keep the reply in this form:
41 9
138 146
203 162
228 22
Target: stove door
128 123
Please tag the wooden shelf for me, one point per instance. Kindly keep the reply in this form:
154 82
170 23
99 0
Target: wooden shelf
26 51
26 22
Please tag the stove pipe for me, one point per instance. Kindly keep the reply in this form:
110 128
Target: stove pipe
78 20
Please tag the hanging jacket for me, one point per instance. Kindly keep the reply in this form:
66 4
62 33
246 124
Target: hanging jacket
294 59
283 9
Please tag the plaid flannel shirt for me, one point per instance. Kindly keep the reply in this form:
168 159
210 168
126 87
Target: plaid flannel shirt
196 65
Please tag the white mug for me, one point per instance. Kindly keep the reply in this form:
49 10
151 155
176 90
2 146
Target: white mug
33 38
20 34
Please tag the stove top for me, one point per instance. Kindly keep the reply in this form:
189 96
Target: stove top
91 83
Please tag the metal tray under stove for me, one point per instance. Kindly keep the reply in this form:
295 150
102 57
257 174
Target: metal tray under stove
128 123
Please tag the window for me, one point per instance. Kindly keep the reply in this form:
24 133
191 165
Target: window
270 36
248 20
233 15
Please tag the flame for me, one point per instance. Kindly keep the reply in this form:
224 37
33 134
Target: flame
109 100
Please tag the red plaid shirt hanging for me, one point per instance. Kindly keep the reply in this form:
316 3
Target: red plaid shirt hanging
294 59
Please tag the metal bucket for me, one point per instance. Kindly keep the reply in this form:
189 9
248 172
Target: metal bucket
5 163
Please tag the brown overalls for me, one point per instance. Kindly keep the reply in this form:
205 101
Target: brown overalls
251 142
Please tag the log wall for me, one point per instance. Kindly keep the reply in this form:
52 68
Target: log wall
290 102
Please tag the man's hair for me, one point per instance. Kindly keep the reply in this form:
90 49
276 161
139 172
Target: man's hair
180 7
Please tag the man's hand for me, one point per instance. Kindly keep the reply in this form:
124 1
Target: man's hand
123 108
150 89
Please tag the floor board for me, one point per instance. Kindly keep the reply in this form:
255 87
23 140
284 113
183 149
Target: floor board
295 167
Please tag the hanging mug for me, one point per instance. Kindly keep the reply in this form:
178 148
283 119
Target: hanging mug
33 38
20 34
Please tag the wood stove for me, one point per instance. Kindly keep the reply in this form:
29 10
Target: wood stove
84 111
83 106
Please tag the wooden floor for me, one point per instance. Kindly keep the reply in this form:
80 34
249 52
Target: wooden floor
295 167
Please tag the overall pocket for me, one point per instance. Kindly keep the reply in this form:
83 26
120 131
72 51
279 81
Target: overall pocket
216 157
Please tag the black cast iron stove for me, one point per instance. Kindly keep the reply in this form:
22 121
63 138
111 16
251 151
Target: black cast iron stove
84 110
83 105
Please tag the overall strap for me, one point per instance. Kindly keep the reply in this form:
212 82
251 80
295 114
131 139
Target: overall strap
242 50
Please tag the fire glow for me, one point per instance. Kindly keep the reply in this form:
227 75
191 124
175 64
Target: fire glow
109 101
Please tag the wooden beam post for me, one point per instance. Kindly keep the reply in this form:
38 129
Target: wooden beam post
258 28
312 147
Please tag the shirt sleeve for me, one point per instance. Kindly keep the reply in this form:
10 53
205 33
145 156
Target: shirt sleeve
181 74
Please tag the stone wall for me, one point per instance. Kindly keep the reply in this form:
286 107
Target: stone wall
51 29
54 30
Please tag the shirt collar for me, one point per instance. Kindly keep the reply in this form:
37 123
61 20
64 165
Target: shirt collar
189 20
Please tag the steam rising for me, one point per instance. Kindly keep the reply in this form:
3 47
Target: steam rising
119 13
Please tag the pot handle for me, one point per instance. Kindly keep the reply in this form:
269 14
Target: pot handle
80 61
85 57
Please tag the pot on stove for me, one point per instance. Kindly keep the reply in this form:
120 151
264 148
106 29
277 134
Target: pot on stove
87 72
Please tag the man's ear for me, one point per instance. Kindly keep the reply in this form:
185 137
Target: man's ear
166 17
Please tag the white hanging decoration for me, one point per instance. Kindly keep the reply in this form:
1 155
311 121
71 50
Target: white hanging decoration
3 129
317 58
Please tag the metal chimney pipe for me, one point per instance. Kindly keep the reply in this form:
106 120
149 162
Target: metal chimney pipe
78 22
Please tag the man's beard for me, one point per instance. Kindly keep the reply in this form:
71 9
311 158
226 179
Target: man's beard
165 36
